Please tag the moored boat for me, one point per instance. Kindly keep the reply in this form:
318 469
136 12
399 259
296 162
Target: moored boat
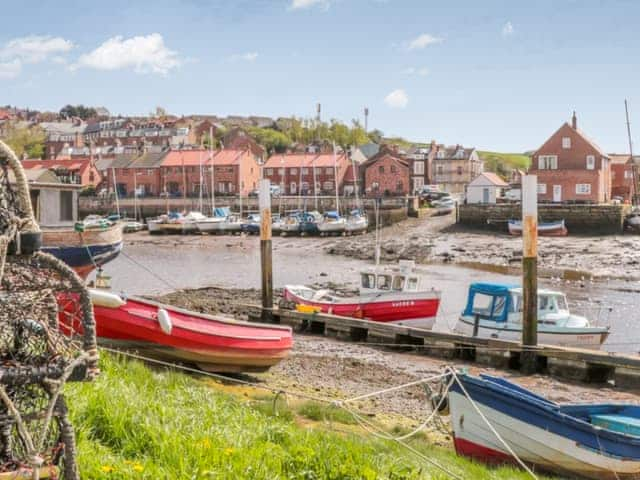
357 222
171 222
190 220
213 343
84 248
291 224
309 222
545 229
397 294
495 311
251 225
598 441
332 223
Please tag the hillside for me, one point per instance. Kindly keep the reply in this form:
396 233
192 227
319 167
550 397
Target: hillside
504 163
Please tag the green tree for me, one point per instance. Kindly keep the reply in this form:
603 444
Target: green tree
79 111
26 140
272 140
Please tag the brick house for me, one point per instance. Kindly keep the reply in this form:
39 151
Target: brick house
297 173
78 171
571 168
421 165
622 176
234 171
454 167
386 173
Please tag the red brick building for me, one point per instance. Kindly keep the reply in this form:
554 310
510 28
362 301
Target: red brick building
622 177
386 173
79 171
571 168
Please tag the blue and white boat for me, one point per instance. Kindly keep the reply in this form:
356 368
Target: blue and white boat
357 222
494 310
251 225
332 223
598 441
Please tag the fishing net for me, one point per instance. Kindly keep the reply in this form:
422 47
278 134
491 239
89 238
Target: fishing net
47 337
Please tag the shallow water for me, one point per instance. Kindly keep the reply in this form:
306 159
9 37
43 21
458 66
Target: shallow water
173 263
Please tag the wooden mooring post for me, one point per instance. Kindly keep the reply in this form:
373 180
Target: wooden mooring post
266 262
528 356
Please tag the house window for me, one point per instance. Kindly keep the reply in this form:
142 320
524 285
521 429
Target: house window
566 142
542 189
293 171
439 169
292 187
393 169
591 162
328 170
418 168
381 169
328 186
269 171
281 171
375 186
66 206
583 189
399 186
418 182
628 174
305 171
459 169
548 162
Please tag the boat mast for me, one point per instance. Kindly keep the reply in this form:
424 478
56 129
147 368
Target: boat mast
184 181
213 194
335 177
115 190
303 163
315 183
201 182
634 169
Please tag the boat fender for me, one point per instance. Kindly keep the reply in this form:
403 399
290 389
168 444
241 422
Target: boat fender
165 321
101 298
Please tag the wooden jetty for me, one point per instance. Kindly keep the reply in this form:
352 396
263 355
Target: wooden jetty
591 366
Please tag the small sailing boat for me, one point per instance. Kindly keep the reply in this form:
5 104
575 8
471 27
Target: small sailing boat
208 224
399 294
332 223
598 441
357 222
495 311
291 224
309 222
190 223
251 225
545 229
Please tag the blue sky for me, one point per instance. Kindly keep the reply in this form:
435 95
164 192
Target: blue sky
500 75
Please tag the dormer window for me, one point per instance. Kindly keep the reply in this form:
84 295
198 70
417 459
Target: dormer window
591 162
566 142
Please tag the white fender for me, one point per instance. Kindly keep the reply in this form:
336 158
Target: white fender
165 321
102 298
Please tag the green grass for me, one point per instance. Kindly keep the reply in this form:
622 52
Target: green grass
134 422
503 163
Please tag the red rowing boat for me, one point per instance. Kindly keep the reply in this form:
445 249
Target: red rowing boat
213 343
399 294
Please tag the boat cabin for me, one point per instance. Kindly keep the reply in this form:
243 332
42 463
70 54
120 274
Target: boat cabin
404 277
502 303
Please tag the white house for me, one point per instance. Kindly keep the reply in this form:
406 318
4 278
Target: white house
485 188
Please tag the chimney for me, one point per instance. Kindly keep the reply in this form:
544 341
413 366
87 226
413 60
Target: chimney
574 121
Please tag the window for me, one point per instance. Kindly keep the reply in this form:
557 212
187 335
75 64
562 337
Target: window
548 162
292 187
268 171
412 284
305 171
281 171
439 169
542 189
418 168
459 170
482 304
591 162
66 206
393 169
381 169
398 283
293 171
418 183
566 142
384 282
627 174
328 170
399 186
375 186
583 189
368 280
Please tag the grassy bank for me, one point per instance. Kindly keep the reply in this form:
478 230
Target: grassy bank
503 163
134 422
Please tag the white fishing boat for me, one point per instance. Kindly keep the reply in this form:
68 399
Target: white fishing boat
167 223
545 229
357 222
190 222
495 311
400 294
291 224
332 223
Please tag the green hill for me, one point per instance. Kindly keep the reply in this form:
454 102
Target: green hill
504 163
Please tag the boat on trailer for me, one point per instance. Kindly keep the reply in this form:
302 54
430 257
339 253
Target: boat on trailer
399 294
494 310
597 441
545 229
213 343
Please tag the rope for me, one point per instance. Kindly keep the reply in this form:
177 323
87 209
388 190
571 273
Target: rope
393 389
148 270
493 430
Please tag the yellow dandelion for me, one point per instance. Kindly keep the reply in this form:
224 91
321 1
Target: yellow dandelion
228 451
138 468
206 443
107 468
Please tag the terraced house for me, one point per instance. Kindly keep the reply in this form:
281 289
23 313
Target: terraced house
571 168
454 167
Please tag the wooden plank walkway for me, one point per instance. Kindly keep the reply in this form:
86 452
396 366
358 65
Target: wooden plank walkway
576 364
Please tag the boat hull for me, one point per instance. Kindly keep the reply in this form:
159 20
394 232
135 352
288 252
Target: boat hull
418 310
535 438
83 251
214 344
589 338
552 229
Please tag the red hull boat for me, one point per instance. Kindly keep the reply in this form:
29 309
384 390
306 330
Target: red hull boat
396 294
215 344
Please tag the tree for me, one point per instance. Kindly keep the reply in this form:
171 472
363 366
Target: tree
272 140
79 111
26 140
376 136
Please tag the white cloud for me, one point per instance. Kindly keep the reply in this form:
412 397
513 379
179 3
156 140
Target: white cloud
247 57
397 99
142 53
303 4
35 48
423 41
507 29
10 69
422 72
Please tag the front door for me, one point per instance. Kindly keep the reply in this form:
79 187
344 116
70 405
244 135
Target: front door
485 195
557 193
